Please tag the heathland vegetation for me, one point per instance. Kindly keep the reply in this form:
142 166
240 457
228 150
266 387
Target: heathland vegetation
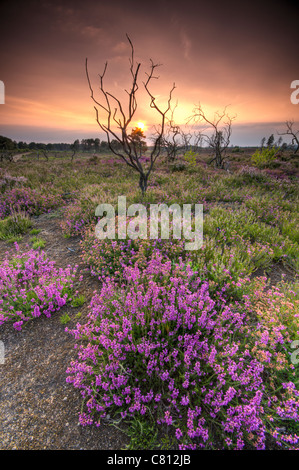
185 350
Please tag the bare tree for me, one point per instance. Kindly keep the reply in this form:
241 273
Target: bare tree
179 139
129 149
172 139
292 133
45 152
219 139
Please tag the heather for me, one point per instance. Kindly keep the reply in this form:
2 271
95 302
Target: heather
212 373
31 285
194 349
32 201
110 257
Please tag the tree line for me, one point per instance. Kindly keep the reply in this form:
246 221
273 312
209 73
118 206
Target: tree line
85 145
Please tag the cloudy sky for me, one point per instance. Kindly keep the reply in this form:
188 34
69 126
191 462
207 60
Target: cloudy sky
243 55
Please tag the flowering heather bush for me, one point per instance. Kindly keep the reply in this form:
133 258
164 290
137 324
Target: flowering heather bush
32 201
77 216
7 181
31 285
81 212
214 373
110 257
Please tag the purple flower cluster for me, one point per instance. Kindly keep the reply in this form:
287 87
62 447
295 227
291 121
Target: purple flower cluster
8 181
161 346
31 285
77 216
110 257
33 201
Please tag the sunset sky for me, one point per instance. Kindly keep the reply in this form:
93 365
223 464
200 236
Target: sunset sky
241 54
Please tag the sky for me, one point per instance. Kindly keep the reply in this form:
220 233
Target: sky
243 55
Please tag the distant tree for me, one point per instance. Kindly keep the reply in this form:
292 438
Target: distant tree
219 138
294 134
96 145
115 145
104 146
263 142
137 137
116 117
22 145
84 144
44 150
270 141
74 147
90 144
279 142
7 147
7 144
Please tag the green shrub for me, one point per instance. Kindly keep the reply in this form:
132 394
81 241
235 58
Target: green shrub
190 158
13 226
264 157
78 301
35 231
37 242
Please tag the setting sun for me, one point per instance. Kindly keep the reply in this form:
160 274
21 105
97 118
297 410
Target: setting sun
140 125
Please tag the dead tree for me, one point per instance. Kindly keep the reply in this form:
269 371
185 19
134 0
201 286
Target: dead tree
221 129
45 153
179 139
292 133
172 139
128 149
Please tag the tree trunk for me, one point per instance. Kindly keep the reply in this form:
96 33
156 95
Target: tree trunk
143 183
218 158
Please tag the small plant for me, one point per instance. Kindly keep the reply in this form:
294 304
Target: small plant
37 242
64 319
190 158
263 157
78 301
143 435
13 226
35 231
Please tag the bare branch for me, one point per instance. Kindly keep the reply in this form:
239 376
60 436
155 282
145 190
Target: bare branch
221 127
292 133
128 149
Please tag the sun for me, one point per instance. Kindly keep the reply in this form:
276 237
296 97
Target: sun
140 125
